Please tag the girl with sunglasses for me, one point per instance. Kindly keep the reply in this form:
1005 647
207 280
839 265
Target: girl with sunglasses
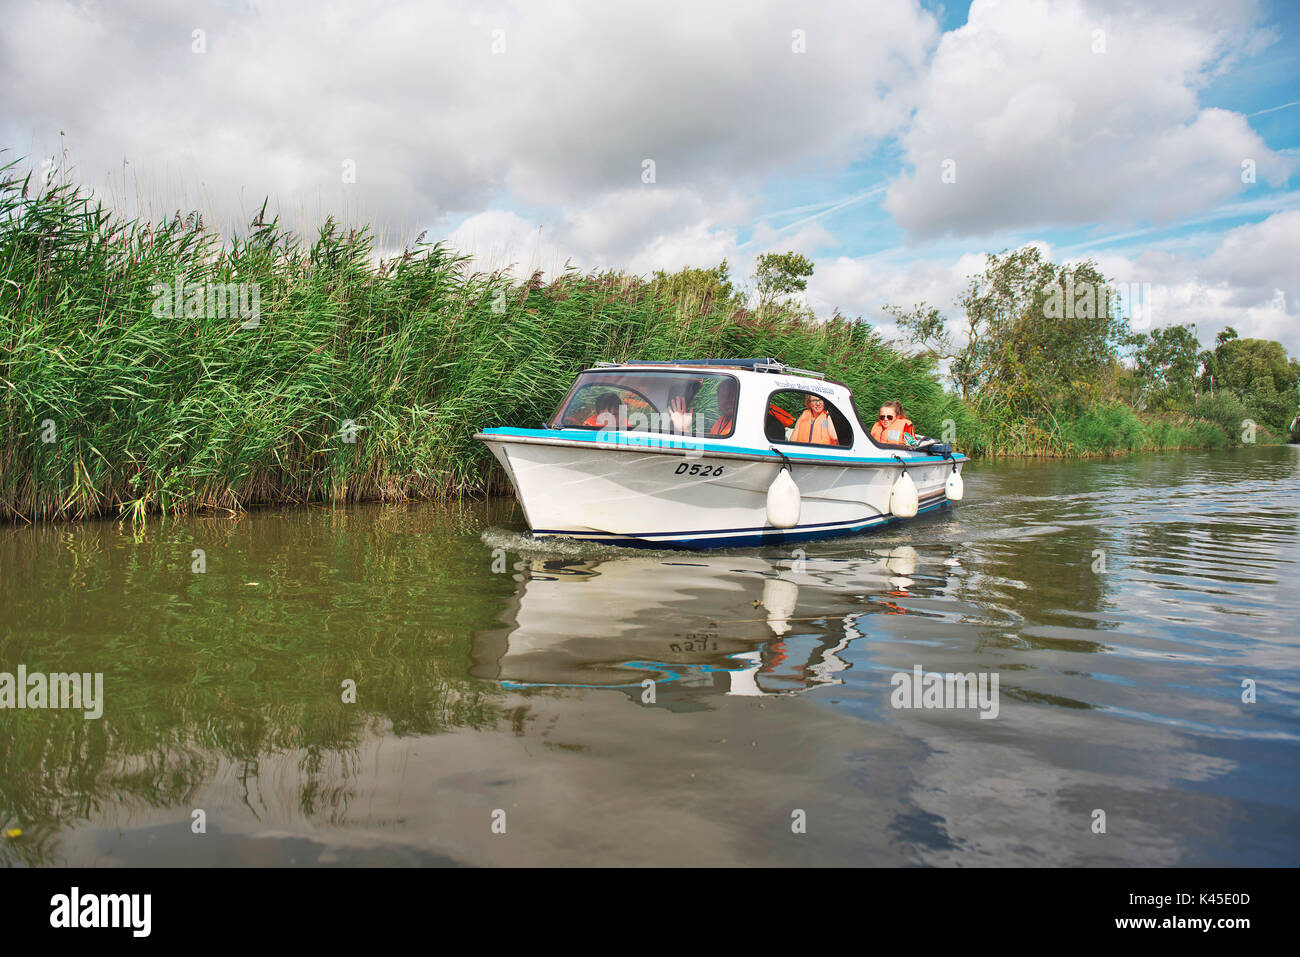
892 425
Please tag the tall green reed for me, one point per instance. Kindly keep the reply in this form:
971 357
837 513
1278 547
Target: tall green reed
110 405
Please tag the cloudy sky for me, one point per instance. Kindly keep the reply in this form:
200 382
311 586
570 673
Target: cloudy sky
893 142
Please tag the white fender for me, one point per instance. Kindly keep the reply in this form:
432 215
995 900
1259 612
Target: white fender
955 488
779 598
903 500
783 501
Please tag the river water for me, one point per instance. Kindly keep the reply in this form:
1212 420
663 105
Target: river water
526 704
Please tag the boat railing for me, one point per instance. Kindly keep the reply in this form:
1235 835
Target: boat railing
754 365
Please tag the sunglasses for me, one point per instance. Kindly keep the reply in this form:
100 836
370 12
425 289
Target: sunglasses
884 418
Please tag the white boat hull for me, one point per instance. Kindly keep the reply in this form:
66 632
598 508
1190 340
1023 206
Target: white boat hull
657 497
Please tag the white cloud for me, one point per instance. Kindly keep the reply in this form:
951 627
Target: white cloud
640 230
1248 281
502 240
619 225
864 286
439 124
1260 260
1043 131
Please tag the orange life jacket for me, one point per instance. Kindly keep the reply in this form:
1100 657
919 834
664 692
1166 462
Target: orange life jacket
893 435
780 414
593 420
723 425
816 430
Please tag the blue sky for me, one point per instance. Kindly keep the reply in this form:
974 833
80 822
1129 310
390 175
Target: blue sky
1106 129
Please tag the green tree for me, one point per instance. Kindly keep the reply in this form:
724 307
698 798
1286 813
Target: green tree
781 275
1259 373
1035 337
1209 360
698 291
1165 363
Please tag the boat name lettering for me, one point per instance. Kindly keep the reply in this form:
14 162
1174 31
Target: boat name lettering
703 638
805 386
697 469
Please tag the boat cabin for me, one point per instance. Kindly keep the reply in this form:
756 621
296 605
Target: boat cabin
751 403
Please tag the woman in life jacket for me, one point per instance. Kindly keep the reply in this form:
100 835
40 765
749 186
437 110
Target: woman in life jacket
815 425
892 425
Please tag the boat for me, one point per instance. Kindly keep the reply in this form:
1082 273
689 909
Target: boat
707 453
775 625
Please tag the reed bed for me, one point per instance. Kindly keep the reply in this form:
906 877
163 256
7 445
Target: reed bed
111 405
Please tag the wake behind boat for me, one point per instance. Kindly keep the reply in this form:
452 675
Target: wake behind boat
715 452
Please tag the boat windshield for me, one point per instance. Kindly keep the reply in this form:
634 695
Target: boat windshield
687 403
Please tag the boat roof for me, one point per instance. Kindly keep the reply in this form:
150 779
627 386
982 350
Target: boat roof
763 364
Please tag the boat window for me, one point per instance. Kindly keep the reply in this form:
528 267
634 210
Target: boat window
795 417
605 407
651 401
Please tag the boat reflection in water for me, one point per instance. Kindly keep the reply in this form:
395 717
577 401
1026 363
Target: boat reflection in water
694 625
